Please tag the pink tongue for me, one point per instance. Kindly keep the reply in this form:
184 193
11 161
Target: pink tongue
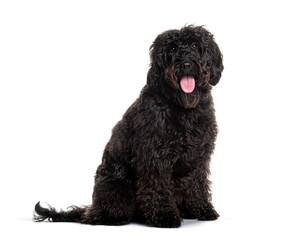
187 84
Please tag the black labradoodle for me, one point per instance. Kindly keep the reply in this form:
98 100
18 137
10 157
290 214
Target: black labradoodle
155 167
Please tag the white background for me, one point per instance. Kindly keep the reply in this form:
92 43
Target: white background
70 69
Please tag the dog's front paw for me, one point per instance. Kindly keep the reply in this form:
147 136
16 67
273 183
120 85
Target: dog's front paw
208 214
165 219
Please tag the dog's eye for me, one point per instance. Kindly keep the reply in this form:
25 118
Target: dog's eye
194 46
172 49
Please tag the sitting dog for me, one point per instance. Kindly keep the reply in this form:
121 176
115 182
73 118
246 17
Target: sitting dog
155 167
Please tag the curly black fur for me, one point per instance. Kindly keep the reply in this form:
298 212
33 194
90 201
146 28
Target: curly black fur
155 167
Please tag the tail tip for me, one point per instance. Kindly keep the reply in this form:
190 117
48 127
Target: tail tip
40 213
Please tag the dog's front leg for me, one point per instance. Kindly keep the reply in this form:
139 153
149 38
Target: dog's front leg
198 196
155 198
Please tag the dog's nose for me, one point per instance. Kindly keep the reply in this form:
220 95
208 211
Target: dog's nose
186 65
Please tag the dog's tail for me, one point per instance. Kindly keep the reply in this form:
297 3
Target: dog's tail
73 214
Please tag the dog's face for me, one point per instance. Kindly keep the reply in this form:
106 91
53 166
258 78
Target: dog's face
184 62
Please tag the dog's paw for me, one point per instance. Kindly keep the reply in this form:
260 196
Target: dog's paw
208 214
103 218
166 219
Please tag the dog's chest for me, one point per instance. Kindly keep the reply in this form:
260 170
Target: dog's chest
169 136
181 135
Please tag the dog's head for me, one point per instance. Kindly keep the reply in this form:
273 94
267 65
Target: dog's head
184 63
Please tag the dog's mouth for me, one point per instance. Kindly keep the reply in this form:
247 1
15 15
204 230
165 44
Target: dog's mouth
187 84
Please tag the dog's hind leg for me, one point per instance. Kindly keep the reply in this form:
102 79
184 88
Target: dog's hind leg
113 200
113 203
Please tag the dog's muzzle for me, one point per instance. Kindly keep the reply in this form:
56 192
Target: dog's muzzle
187 81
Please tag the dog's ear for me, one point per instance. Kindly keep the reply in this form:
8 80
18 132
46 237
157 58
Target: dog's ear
215 62
156 52
156 64
212 56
